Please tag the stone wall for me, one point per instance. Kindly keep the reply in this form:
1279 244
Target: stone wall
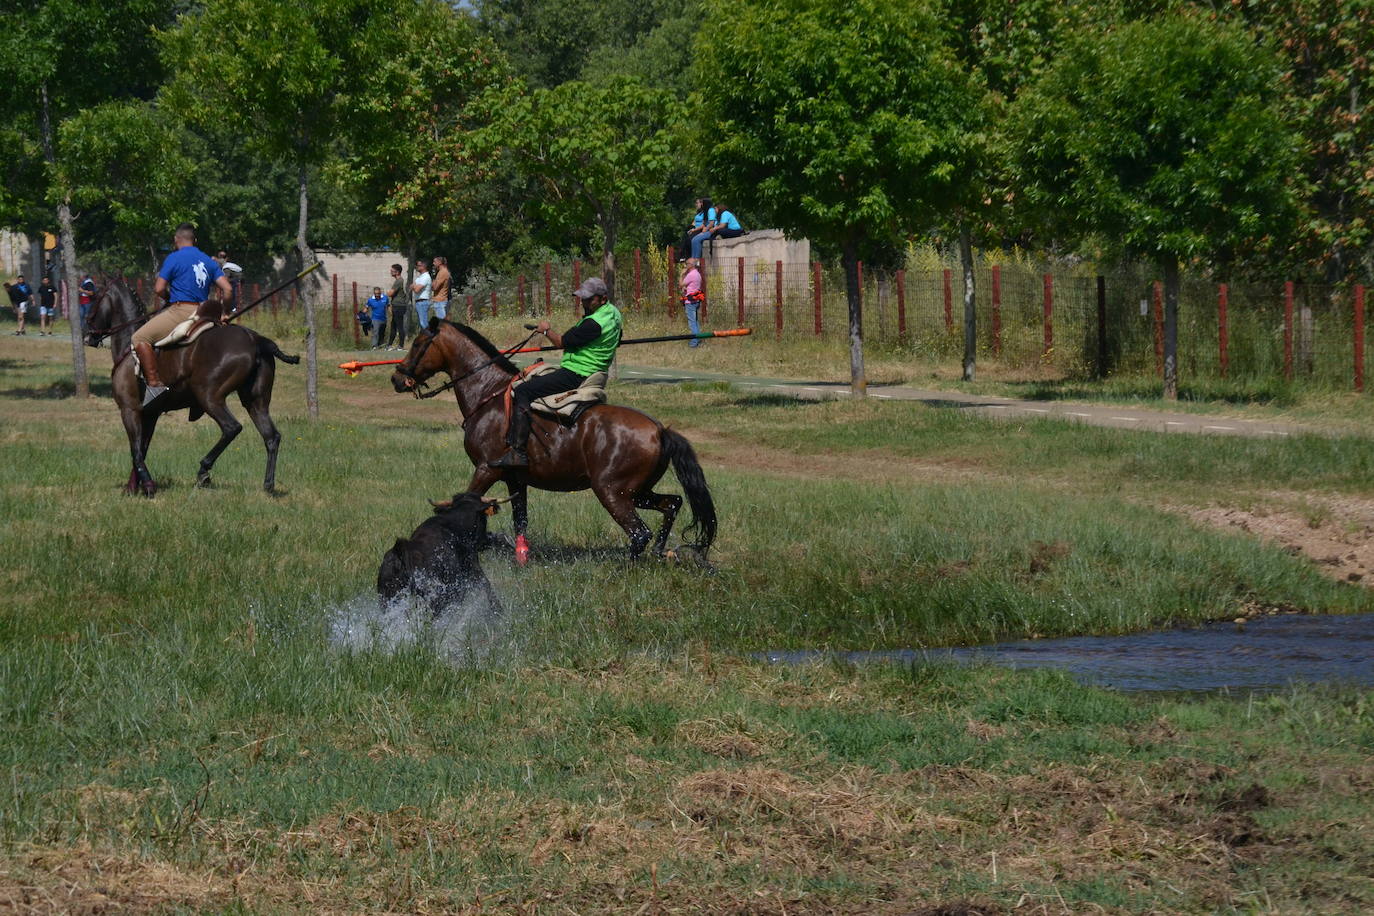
761 250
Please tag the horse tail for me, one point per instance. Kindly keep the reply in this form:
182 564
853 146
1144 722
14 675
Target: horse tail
679 451
268 347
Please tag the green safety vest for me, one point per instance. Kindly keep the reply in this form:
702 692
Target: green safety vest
597 355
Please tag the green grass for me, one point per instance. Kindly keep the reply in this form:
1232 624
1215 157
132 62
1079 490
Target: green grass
180 730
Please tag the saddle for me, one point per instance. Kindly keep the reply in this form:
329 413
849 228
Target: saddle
185 333
566 406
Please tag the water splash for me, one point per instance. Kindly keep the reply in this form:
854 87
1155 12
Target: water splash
467 632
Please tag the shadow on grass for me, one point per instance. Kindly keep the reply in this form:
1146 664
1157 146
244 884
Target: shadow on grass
1265 392
56 391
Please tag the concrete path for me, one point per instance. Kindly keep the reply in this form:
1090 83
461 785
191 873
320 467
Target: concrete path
1093 414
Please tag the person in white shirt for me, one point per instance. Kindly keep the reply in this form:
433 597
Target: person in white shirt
423 289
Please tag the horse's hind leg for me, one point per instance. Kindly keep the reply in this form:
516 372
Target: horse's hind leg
229 428
622 509
669 505
257 410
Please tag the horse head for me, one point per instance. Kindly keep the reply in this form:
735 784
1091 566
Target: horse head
425 358
113 310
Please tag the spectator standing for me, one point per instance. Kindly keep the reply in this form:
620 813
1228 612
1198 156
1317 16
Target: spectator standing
703 221
21 296
377 304
400 316
423 287
234 274
86 296
727 227
692 297
47 307
439 302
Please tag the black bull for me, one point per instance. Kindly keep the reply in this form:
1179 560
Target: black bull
438 562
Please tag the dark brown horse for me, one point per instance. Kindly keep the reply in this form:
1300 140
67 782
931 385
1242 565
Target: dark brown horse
617 452
226 359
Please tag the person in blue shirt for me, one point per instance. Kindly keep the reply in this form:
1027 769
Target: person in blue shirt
726 227
703 221
21 297
377 304
184 281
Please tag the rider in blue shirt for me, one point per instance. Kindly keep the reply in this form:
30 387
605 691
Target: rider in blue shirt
184 281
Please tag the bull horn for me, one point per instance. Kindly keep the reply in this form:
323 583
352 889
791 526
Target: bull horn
446 504
496 502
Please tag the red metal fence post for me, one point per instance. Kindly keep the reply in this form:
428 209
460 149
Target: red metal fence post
639 289
1159 329
1049 317
739 292
548 289
777 303
495 306
1359 338
293 298
471 315
272 305
1223 329
996 310
901 306
336 302
949 303
577 275
818 289
705 295
672 281
1288 329
357 329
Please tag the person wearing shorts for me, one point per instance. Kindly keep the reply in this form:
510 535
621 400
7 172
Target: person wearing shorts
47 307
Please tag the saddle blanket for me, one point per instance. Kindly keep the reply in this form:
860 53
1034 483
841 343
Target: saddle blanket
567 406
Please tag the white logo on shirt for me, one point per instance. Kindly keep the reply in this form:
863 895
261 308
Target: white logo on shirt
202 275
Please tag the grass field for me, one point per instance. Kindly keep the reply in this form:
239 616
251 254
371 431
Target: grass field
187 729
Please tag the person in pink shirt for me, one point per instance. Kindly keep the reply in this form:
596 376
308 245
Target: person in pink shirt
692 297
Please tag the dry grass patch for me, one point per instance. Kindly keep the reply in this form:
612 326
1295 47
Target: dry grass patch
80 880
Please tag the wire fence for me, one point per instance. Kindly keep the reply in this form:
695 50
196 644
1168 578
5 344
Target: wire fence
1027 319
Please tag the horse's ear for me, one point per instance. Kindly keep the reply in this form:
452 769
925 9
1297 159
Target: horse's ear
434 323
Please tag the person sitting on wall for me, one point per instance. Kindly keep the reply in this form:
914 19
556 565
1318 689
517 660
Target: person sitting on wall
703 221
726 227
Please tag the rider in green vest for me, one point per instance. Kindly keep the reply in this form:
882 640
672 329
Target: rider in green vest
588 347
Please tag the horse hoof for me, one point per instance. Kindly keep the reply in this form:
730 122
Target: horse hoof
149 489
203 482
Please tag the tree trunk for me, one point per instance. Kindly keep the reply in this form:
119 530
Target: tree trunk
68 241
858 384
970 313
1171 284
307 256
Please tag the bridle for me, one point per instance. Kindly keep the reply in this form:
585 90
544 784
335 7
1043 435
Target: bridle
420 389
98 336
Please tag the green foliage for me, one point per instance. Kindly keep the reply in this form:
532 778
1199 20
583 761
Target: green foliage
130 158
1159 138
849 125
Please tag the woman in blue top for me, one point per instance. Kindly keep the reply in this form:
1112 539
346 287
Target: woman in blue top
726 227
703 221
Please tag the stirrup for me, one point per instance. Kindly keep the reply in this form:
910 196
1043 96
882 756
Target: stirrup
153 393
515 458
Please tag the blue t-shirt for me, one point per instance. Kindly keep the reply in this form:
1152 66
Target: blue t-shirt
378 305
728 221
189 273
710 217
24 289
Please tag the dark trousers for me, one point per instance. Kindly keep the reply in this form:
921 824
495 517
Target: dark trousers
541 386
400 317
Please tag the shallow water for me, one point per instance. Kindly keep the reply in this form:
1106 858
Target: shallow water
466 633
1267 653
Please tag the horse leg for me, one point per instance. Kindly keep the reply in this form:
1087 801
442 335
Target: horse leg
520 518
228 429
622 509
140 433
669 505
257 411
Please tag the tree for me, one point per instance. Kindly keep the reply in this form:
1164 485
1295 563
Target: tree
850 123
1160 138
597 154
57 57
292 72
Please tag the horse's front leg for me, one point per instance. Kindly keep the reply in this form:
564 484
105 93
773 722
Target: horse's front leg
140 432
520 518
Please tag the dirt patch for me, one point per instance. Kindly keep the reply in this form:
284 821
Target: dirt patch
1335 533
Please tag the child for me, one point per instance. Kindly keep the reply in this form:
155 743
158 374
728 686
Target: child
377 316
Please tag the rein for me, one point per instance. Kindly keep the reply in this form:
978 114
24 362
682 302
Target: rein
418 389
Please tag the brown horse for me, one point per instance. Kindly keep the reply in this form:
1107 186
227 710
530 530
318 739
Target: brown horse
223 360
617 452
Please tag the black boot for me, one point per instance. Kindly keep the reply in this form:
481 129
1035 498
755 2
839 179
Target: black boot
516 438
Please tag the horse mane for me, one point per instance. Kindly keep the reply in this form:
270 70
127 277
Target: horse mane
485 346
